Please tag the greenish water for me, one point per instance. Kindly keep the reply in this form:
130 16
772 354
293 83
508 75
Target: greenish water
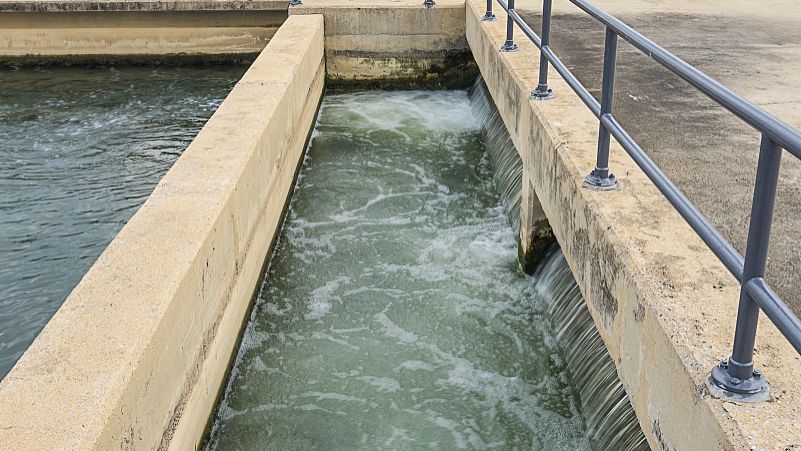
394 315
80 151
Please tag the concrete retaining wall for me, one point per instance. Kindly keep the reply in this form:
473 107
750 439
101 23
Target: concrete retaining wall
394 44
663 304
77 32
135 357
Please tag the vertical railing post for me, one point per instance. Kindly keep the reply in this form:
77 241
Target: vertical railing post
489 16
736 377
509 45
542 92
600 178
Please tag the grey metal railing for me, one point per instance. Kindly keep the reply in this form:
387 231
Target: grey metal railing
736 376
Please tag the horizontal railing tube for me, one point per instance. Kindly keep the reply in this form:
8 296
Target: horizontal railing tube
778 312
558 65
722 249
755 293
778 131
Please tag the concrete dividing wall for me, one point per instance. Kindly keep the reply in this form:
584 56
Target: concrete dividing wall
75 31
662 302
394 44
135 357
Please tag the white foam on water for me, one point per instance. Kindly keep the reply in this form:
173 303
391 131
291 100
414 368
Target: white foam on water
321 298
392 330
414 365
320 396
393 311
383 384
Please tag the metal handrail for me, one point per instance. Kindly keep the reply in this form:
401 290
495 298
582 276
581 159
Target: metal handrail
736 376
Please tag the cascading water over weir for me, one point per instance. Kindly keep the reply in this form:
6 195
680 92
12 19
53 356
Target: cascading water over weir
408 292
610 421
507 167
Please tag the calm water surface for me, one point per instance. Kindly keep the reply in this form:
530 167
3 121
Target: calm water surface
80 150
394 315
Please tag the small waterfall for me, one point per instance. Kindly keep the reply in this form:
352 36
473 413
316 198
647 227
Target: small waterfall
609 419
506 163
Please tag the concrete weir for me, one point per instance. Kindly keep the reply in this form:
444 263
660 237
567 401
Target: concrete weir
393 44
135 357
664 305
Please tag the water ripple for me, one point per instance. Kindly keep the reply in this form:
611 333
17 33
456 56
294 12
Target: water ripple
82 148
394 300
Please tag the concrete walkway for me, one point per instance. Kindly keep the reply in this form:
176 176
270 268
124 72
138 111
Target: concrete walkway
753 49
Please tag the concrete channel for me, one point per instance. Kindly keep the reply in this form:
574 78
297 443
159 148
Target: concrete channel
136 356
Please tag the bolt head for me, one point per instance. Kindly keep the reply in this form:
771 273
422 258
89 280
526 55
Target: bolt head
735 381
757 373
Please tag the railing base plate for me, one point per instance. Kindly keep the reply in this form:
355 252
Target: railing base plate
722 385
595 183
542 95
509 48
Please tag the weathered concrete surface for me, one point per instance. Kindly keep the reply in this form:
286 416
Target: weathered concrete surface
89 45
663 304
140 5
393 43
536 234
136 356
152 32
706 151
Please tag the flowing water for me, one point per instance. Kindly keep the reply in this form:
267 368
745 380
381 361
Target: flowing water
81 149
609 419
394 314
506 163
608 416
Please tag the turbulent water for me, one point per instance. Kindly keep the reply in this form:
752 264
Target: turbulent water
81 149
394 314
609 419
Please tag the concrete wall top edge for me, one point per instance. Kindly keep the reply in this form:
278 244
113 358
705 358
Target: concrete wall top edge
55 6
376 4
145 338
